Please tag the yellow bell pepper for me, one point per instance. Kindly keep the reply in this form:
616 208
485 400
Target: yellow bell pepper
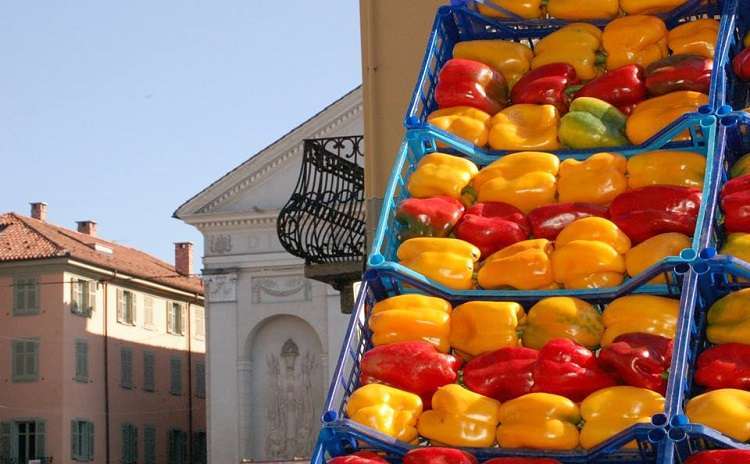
563 317
594 228
539 421
481 326
588 264
654 114
726 410
639 7
575 10
448 261
651 314
465 122
666 167
737 245
511 59
576 44
441 174
412 317
647 253
525 127
460 417
609 411
729 319
386 409
597 179
635 40
695 38
524 265
527 9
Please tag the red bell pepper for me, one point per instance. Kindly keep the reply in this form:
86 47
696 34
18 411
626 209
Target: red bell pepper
679 72
724 366
548 221
522 461
639 360
546 85
438 455
471 83
741 64
428 217
568 369
623 87
735 201
360 457
492 226
416 367
720 457
503 374
656 209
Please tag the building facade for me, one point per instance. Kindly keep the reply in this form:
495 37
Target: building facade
102 349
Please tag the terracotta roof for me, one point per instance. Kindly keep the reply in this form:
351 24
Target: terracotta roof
24 238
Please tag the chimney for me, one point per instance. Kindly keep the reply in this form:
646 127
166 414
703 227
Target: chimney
183 257
87 227
39 211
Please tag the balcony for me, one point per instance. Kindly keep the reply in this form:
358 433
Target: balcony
324 220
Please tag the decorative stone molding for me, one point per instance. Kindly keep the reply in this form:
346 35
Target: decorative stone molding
220 244
281 289
221 288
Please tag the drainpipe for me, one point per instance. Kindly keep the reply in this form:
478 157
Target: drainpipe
106 367
190 385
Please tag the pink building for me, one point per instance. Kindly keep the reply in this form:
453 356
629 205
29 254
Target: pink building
101 349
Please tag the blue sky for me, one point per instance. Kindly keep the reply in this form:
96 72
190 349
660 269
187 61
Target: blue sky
120 111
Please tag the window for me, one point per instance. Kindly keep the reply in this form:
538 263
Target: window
82 360
149 444
126 368
177 447
200 324
175 383
23 440
25 296
149 380
125 307
200 379
25 360
148 312
199 448
83 297
81 440
129 444
175 318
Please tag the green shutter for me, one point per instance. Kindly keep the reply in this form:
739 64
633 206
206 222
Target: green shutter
120 305
200 379
32 359
5 440
149 381
133 308
82 360
74 295
75 452
92 296
41 435
175 376
89 451
125 440
32 296
149 445
19 297
170 317
126 368
172 450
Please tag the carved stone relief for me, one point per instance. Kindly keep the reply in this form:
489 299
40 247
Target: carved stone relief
220 244
280 289
221 287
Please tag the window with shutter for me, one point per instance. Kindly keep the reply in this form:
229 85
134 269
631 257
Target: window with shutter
81 440
177 447
149 444
41 439
126 368
91 303
76 296
199 448
120 306
90 440
200 324
200 379
82 360
25 296
25 356
129 444
149 380
170 317
5 440
148 312
83 297
175 384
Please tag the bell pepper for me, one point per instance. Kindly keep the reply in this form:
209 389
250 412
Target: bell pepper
361 457
417 367
568 369
503 374
614 409
470 83
639 360
460 417
741 65
464 122
492 226
724 366
588 264
548 221
481 326
524 265
576 10
725 456
729 318
737 245
735 202
635 39
639 7
438 455
539 421
621 87
511 59
597 229
525 127
726 410
412 317
527 9
666 167
653 250
740 167
428 217
597 179
440 174
563 317
448 261
525 180
592 123
386 409
649 314
694 38
546 85
656 209
522 461
679 72
576 44
654 114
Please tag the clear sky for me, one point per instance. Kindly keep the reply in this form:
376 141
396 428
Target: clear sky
119 111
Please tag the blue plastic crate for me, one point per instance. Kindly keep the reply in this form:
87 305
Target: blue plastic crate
457 24
419 143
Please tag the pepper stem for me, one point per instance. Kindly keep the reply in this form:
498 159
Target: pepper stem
572 90
601 58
